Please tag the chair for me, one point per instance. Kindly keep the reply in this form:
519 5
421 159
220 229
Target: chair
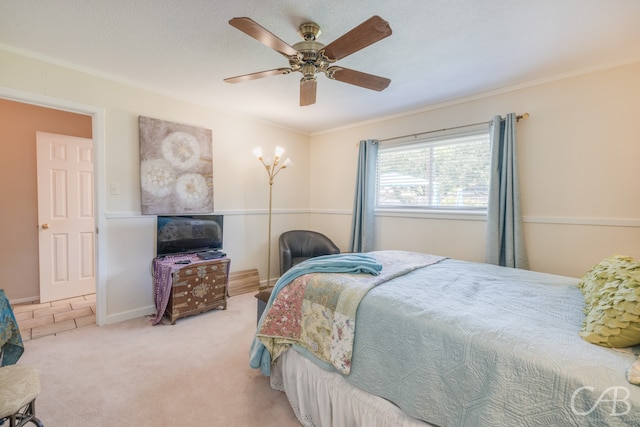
19 387
295 247
299 245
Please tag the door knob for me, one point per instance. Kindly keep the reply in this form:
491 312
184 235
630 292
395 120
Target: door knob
45 226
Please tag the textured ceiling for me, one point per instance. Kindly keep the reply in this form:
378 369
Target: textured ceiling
440 50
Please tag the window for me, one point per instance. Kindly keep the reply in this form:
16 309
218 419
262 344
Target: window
447 171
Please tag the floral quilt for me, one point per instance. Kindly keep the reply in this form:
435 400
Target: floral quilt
317 311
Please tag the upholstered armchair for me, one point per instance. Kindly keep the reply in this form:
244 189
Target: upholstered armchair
295 247
299 245
19 387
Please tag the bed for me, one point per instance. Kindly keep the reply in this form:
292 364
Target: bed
394 338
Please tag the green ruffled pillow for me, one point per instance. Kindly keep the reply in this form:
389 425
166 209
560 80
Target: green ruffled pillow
611 292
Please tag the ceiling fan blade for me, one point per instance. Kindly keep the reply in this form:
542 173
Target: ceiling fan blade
370 31
308 92
258 32
258 75
358 78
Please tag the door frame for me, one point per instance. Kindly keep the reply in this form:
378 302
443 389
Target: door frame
98 136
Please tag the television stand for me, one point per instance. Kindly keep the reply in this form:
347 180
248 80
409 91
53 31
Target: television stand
199 286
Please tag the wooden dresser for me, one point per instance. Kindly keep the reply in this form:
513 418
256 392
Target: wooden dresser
199 286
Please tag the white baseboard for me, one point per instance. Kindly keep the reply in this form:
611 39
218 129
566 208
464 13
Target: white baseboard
23 300
128 315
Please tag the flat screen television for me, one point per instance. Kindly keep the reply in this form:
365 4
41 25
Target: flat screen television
177 234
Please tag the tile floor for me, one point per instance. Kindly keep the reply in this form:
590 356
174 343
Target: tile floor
40 319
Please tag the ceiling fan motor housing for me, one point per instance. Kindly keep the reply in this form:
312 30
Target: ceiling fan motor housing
309 54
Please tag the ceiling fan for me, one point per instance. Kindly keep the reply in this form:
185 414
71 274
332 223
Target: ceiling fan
310 57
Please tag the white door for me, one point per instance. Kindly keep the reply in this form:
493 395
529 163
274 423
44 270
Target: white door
66 216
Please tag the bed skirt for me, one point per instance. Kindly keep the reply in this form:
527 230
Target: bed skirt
323 399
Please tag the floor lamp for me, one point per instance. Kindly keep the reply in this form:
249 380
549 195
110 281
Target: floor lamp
273 167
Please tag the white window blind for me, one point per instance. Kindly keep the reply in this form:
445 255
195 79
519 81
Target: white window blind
440 172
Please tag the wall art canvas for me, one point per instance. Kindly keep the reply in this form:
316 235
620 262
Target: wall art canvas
176 168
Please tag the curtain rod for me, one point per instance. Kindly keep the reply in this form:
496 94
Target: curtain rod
523 116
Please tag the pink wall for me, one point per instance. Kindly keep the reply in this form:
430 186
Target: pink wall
18 190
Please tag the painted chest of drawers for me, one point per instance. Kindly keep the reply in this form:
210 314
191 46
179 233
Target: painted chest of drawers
198 287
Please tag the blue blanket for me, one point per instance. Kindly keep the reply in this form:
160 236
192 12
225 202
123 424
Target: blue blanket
11 347
470 344
259 357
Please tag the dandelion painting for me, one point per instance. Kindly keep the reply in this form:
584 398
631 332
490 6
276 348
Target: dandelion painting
176 168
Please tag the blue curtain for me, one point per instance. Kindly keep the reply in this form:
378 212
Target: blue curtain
362 224
505 234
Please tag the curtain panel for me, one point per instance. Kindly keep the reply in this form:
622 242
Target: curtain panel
362 223
505 235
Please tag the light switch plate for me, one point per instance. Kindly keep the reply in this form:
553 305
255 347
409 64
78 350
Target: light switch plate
115 188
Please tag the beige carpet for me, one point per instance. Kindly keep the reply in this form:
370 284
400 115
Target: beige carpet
195 372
